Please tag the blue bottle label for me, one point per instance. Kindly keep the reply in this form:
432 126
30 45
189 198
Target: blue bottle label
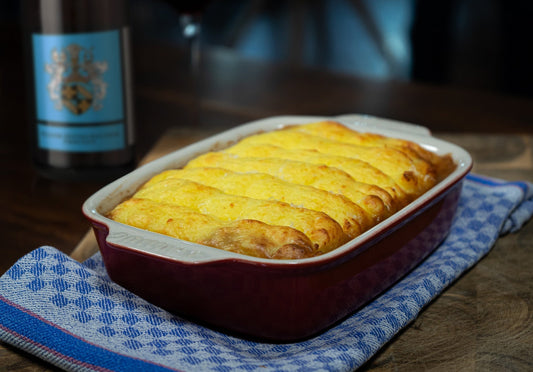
79 91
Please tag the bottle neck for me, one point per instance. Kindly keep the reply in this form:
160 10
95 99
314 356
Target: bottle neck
73 16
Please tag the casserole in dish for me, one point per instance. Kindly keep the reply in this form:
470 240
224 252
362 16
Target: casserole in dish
281 300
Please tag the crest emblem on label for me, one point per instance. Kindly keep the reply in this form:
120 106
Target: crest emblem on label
76 79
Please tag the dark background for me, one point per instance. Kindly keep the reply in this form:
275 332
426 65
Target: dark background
480 44
477 44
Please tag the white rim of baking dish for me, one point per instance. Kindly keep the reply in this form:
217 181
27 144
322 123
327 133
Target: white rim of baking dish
155 244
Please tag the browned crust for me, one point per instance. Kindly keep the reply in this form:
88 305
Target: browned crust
318 185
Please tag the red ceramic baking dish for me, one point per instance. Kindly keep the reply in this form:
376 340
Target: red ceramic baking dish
276 300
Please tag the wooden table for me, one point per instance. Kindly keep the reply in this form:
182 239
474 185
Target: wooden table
483 321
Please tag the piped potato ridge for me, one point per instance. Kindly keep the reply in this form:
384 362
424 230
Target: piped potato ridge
292 193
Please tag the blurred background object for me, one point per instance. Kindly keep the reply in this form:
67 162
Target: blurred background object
479 44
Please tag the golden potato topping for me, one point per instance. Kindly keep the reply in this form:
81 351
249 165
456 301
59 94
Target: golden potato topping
414 177
322 230
291 193
370 197
352 218
360 171
250 237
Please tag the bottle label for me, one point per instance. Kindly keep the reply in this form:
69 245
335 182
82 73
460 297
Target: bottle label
79 91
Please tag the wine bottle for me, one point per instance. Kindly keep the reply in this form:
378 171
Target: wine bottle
80 88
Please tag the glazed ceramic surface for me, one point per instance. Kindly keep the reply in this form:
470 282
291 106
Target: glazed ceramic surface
279 300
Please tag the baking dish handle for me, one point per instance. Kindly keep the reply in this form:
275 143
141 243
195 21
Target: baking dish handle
374 122
126 237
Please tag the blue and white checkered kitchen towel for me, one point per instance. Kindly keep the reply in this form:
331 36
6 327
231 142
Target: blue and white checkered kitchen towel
72 315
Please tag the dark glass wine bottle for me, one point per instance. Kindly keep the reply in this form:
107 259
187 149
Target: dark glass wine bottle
80 87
